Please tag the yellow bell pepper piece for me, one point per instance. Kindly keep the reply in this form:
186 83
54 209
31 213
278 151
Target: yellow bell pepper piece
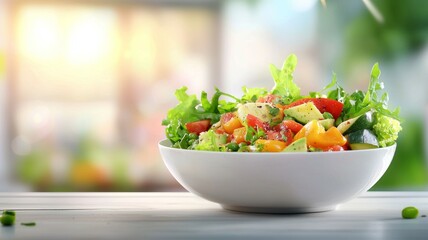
319 138
271 145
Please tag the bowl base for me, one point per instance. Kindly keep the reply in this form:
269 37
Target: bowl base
279 210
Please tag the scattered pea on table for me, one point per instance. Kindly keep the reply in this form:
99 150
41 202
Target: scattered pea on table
409 212
7 219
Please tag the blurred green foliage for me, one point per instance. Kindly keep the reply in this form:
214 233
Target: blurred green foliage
403 31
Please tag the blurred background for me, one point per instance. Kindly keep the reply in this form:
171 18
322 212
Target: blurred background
85 84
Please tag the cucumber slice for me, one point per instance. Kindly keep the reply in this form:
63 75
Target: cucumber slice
297 146
361 122
361 146
362 139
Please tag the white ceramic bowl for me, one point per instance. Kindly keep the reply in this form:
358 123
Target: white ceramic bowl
277 182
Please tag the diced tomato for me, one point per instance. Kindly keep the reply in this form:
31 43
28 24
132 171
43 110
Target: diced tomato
198 126
220 130
229 138
256 123
323 104
346 147
298 102
226 117
289 134
283 135
292 125
273 135
267 99
289 124
335 148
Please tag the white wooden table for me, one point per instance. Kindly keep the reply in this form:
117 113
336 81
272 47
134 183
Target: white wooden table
375 215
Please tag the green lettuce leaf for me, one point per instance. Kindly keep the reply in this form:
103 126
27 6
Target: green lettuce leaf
284 85
374 98
190 109
386 130
252 94
211 141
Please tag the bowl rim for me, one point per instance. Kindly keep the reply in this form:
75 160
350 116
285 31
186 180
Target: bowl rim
166 144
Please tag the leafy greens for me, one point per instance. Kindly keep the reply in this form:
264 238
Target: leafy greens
191 109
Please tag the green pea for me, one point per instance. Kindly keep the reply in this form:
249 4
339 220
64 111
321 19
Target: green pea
7 220
233 147
327 115
9 212
409 212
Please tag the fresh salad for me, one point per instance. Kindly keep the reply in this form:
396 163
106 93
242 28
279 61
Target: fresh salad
284 120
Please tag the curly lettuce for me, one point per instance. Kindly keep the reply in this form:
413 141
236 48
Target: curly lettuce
252 94
387 123
191 109
386 130
210 141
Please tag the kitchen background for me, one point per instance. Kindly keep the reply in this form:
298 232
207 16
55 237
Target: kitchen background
85 84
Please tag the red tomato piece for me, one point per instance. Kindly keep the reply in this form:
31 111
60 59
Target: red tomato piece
229 138
256 123
346 147
220 130
198 126
292 125
273 135
335 148
289 124
289 134
270 98
282 135
226 117
323 104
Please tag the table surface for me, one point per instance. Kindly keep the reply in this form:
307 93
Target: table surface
374 215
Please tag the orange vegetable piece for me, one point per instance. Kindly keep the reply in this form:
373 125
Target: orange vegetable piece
239 134
319 138
271 145
328 139
231 125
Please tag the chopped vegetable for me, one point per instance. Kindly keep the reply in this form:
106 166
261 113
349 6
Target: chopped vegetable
330 107
283 120
362 139
198 126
